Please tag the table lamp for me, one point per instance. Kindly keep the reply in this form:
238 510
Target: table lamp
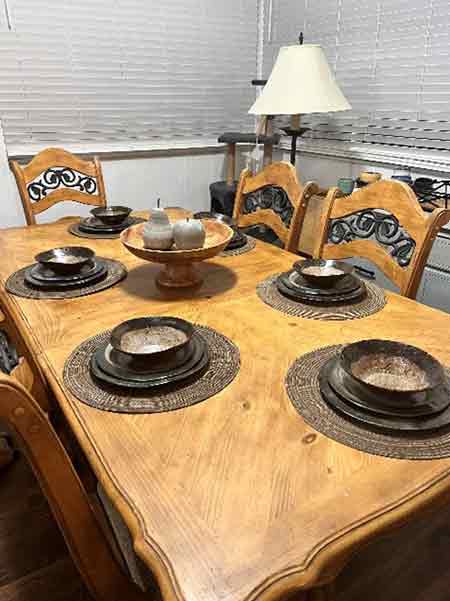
301 82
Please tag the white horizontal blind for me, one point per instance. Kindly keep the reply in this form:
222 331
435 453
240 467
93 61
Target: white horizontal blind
4 20
391 59
126 70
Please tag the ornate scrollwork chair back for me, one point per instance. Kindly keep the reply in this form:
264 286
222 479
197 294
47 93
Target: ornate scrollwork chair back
55 175
71 506
274 197
385 224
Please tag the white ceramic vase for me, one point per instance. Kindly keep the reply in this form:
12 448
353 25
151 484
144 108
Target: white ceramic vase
157 233
189 234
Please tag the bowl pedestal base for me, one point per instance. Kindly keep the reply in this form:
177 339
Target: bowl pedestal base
179 275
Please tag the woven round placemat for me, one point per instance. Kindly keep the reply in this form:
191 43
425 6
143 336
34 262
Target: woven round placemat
374 301
223 367
302 385
75 230
15 284
247 247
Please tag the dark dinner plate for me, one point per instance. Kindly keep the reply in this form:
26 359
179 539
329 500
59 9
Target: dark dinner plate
427 403
378 422
198 362
66 284
315 299
92 225
237 241
46 275
104 359
293 280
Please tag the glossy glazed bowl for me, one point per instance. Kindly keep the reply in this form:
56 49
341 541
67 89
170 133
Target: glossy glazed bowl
321 273
216 216
66 260
390 369
113 215
152 341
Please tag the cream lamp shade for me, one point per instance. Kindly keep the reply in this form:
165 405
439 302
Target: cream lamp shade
301 82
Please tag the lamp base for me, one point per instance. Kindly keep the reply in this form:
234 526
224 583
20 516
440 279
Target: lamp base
294 133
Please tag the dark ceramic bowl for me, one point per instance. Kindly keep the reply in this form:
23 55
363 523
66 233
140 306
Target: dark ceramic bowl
238 238
321 273
217 216
111 215
66 260
149 340
392 370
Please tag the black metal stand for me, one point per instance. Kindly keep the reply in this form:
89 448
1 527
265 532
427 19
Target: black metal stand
294 134
432 193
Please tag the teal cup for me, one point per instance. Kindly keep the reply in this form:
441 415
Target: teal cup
346 185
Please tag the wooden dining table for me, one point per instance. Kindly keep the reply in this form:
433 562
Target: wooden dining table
235 498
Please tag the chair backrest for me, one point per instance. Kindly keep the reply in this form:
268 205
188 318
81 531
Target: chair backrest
385 224
64 491
274 197
55 175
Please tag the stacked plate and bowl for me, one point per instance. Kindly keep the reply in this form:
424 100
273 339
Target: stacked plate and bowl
238 240
148 352
106 220
321 282
67 267
387 385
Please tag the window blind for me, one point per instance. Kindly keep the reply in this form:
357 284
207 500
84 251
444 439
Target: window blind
126 70
391 59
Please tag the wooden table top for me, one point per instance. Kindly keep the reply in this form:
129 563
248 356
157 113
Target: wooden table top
236 497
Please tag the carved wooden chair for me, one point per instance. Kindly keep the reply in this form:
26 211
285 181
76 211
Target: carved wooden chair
80 520
274 197
55 175
385 224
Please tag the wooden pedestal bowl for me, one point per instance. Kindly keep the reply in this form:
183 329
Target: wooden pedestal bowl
179 271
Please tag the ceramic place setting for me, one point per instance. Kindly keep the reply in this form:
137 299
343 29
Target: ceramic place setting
387 385
149 352
65 272
66 267
107 222
321 282
238 240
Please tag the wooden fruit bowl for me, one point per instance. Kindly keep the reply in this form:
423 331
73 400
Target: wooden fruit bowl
178 269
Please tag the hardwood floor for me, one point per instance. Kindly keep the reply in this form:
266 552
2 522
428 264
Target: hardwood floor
410 564
34 562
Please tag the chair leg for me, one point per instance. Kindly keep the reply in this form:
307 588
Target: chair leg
6 451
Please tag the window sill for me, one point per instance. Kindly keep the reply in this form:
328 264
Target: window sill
438 162
124 150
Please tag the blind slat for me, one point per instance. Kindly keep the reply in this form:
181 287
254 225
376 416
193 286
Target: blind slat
101 70
391 58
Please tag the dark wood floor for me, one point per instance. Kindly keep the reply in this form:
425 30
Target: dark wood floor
412 565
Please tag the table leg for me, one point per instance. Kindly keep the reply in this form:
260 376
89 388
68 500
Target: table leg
322 593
